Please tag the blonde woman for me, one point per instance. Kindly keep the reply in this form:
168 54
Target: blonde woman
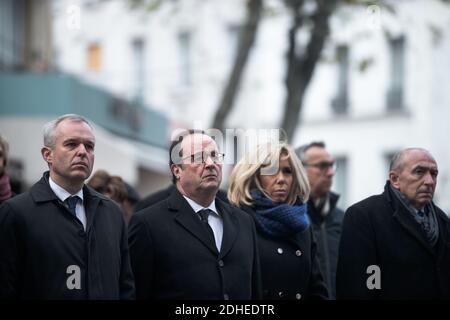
271 185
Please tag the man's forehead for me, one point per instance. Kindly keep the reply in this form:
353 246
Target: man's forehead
317 152
73 130
417 158
198 142
423 160
83 138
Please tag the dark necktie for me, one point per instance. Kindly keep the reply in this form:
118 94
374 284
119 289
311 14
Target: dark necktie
72 203
204 213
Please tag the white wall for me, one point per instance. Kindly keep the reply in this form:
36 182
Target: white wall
364 136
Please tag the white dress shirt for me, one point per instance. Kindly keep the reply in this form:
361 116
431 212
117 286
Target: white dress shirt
214 220
62 194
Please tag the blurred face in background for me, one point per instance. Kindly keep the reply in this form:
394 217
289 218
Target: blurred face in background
2 160
320 168
278 186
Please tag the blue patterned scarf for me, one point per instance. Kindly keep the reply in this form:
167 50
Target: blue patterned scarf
279 220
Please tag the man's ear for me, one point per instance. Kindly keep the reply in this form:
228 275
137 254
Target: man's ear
47 154
176 171
394 179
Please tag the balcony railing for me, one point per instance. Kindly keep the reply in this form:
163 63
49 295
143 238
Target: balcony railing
51 95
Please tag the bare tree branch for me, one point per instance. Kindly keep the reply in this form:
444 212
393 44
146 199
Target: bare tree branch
246 40
301 68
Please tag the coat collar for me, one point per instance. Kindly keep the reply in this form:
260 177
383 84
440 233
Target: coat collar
403 216
185 216
41 192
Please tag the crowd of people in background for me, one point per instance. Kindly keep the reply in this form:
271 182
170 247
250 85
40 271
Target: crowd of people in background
277 232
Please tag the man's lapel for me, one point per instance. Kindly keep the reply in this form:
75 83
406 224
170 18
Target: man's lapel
91 201
186 217
443 222
412 227
405 219
230 226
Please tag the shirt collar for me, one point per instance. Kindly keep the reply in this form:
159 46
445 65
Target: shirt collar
61 193
196 207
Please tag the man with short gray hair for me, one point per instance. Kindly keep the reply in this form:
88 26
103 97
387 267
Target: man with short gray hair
63 240
396 245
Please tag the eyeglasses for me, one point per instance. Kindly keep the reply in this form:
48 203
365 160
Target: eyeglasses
323 166
202 157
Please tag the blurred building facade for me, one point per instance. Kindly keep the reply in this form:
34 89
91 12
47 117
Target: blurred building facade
25 35
131 140
380 84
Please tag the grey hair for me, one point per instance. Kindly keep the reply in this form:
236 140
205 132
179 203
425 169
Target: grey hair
301 151
50 127
397 162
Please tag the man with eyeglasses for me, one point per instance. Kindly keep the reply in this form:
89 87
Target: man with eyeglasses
192 245
325 216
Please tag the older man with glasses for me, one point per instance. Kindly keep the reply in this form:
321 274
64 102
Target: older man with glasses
192 245
325 216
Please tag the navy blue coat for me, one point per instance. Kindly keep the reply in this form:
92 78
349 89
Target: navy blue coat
289 266
40 239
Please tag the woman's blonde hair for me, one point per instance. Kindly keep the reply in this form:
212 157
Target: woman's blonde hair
265 158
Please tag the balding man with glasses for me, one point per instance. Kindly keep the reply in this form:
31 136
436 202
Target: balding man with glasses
192 245
325 216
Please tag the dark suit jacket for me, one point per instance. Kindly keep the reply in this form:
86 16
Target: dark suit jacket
379 231
172 256
40 239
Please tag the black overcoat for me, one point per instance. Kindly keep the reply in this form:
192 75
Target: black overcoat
42 244
380 232
172 256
